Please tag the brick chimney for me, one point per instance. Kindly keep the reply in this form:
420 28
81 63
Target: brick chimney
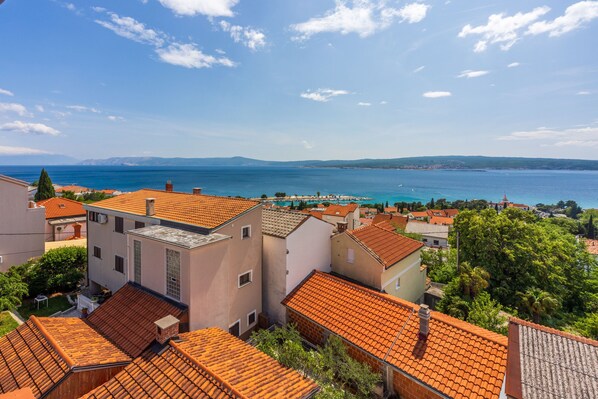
424 321
169 186
77 228
342 226
196 190
32 204
150 206
166 328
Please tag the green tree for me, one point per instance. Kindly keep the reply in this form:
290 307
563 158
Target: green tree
280 194
538 303
472 281
69 195
264 196
45 189
486 313
588 326
12 291
591 229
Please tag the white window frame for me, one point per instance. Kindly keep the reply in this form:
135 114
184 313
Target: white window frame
350 255
254 312
243 229
242 274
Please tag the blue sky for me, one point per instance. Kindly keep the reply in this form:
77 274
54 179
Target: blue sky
289 80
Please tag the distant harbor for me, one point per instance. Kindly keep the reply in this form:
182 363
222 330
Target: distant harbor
314 198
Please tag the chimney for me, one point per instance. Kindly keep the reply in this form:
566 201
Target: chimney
196 190
77 228
166 328
32 204
150 206
341 226
169 186
424 321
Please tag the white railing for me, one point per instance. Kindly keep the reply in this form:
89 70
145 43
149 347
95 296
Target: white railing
85 302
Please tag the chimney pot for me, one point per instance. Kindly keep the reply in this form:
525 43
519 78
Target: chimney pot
169 186
424 321
197 191
32 204
166 328
150 206
342 226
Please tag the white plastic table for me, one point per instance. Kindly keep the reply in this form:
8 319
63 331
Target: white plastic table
40 298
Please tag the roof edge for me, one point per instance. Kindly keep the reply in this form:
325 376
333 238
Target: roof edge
13 180
38 324
513 374
554 331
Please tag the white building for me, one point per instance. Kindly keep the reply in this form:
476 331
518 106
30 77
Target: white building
433 235
294 245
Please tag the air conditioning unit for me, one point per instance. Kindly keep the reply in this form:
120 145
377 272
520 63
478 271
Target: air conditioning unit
102 219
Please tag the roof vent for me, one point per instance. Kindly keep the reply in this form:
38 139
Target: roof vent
169 186
424 321
166 328
197 191
150 206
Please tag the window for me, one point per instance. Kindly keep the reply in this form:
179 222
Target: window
234 329
425 240
245 278
119 264
398 283
350 255
93 216
173 274
251 318
436 242
139 225
118 224
137 261
97 252
245 232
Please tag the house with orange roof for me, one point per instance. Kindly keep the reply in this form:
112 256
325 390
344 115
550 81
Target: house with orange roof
57 358
75 189
200 250
423 215
208 364
21 224
65 219
342 216
420 353
397 221
441 220
382 259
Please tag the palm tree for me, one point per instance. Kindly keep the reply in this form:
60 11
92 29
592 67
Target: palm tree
538 303
473 280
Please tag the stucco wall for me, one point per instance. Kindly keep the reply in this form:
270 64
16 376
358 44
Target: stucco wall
67 231
412 279
274 277
17 218
364 269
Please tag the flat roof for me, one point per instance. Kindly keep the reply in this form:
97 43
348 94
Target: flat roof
178 237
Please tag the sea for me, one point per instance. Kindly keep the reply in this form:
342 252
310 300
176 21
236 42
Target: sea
521 186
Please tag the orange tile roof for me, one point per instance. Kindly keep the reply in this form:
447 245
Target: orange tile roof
257 376
451 213
457 359
74 189
391 209
25 393
386 246
420 214
39 353
201 210
340 210
397 221
365 221
316 214
441 220
592 246
59 207
206 363
127 318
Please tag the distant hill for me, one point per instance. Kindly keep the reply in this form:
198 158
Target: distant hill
431 162
37 159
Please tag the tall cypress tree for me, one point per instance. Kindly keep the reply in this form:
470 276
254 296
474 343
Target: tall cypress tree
45 189
591 228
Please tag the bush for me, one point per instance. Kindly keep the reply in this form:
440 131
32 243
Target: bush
12 291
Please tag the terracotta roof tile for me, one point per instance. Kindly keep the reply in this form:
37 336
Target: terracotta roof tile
396 221
592 246
279 223
127 318
58 207
441 220
340 210
387 246
74 189
25 393
451 359
200 210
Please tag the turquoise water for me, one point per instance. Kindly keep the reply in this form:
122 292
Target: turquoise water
523 186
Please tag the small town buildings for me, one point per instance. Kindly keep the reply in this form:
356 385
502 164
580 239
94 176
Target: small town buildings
208 363
77 190
294 245
433 235
65 219
441 220
344 217
379 258
505 203
21 224
429 214
421 354
397 221
195 249
57 358
546 363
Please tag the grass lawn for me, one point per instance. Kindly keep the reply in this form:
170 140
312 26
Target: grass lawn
55 304
7 323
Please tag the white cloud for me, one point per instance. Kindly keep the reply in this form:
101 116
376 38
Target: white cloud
307 145
363 17
419 69
437 94
6 92
501 29
115 118
323 95
472 74
30 128
82 108
577 143
362 104
189 56
562 137
6 150
14 107
39 108
383 102
98 9
575 16
249 37
210 8
583 93
132 29
70 7
513 65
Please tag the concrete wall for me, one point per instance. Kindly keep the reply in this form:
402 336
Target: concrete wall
429 241
67 231
17 218
274 277
413 281
364 268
